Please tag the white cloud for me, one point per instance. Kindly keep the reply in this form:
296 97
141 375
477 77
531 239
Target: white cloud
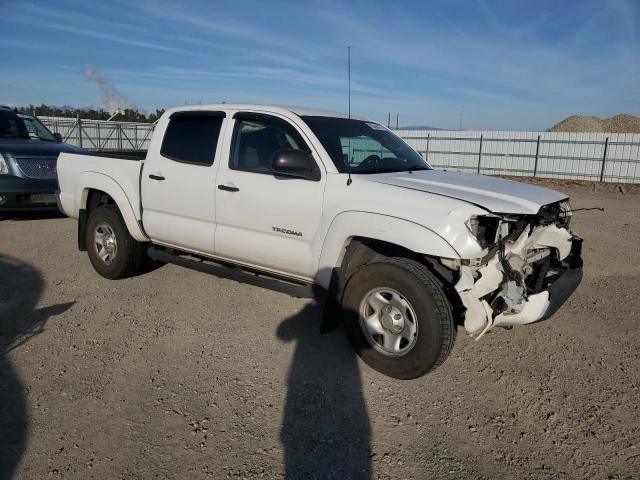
103 36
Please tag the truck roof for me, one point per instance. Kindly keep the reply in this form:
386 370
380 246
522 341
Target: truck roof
282 109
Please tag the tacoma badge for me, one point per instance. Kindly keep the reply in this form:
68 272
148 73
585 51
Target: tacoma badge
288 232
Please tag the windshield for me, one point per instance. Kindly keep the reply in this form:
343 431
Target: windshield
364 147
19 125
36 129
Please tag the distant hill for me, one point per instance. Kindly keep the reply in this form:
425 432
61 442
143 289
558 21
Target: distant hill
623 123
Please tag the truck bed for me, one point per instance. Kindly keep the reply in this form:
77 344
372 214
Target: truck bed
79 172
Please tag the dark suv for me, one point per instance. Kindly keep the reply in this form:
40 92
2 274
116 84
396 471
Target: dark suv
28 157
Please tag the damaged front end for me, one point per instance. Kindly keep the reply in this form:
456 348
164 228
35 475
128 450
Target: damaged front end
533 264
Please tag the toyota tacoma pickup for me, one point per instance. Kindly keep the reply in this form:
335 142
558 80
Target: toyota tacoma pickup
320 204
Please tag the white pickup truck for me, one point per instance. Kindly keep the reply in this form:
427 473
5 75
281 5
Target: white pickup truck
317 203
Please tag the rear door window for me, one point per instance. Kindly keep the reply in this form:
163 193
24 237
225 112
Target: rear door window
192 137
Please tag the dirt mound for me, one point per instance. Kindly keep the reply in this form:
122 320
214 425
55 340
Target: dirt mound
623 123
578 123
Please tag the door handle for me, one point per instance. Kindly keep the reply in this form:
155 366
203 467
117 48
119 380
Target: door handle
156 177
227 188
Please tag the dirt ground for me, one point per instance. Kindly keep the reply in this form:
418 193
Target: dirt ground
177 374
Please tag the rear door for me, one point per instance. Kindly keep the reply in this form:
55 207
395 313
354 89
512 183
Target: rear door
178 181
262 219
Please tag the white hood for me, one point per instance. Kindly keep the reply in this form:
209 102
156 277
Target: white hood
494 194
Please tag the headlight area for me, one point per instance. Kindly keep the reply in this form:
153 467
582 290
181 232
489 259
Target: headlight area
4 164
491 230
558 213
485 229
512 283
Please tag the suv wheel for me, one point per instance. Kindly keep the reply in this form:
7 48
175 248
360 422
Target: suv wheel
398 318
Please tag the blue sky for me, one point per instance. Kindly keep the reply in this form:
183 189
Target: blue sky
520 65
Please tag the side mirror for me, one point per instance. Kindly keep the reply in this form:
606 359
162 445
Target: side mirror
58 137
296 164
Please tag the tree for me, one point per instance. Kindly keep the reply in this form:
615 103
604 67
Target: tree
128 115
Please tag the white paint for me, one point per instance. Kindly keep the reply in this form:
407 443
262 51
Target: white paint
492 193
79 173
180 210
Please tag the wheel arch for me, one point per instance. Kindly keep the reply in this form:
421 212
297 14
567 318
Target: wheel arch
98 189
363 234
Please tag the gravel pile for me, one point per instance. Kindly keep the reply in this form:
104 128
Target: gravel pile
622 123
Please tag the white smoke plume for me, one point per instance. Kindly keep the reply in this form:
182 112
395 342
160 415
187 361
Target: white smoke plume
112 99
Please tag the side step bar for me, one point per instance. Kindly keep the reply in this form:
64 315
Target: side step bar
234 272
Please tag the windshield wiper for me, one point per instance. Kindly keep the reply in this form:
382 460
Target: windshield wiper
15 136
414 168
391 170
411 169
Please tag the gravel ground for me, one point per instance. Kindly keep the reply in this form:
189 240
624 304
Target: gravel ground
177 374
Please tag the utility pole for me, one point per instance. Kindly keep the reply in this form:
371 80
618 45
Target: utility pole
461 114
397 120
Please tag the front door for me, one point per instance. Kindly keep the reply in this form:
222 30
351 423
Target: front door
262 219
178 182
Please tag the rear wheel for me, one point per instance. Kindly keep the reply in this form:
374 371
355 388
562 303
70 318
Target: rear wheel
398 318
113 252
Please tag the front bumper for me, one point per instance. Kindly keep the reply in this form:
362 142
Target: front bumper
24 194
476 293
545 304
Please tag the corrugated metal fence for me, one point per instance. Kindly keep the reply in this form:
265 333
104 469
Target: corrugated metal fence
607 157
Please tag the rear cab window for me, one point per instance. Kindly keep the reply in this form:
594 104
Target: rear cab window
192 137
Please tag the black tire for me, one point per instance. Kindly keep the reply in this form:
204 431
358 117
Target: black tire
129 256
436 331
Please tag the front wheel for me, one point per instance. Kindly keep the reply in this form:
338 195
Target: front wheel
398 318
113 252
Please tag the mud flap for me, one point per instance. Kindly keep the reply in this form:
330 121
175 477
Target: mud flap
82 230
332 308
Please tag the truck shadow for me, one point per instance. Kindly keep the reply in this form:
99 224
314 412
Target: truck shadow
21 286
325 432
34 215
